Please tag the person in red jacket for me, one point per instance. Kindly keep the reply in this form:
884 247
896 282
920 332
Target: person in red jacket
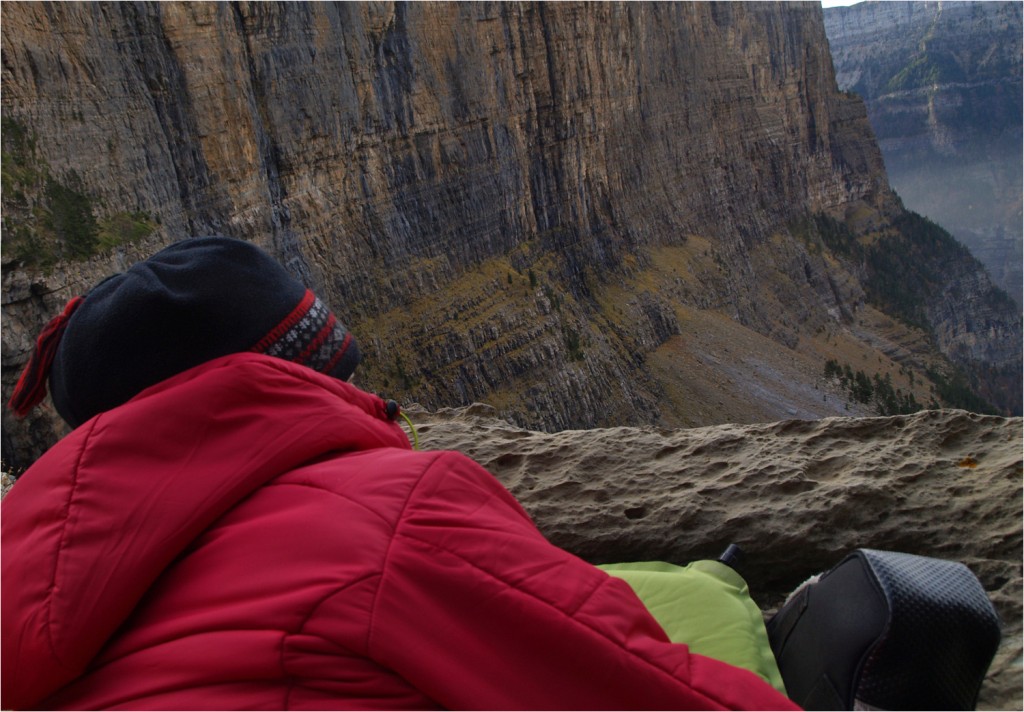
233 525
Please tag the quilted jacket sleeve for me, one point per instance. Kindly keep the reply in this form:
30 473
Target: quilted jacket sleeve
477 610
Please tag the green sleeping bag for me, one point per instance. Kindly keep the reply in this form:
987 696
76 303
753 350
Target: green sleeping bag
707 606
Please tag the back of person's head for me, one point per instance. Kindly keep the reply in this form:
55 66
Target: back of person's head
192 302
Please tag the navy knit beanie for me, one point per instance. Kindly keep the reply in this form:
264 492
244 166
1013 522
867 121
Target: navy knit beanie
194 301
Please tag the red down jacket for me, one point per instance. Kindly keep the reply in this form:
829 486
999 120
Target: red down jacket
251 534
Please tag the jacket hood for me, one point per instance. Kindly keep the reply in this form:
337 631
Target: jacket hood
89 528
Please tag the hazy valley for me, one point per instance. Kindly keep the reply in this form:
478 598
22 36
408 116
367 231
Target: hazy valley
942 84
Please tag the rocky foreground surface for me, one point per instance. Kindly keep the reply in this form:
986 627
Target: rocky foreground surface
795 495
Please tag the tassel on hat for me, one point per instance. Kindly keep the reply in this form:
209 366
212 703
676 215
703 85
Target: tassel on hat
31 388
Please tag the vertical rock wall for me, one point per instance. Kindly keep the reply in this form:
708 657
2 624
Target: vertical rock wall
464 182
380 132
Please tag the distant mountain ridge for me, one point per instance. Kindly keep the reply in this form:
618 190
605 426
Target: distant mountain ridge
943 86
585 214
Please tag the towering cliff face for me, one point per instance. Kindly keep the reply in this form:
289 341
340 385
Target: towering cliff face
384 128
942 83
572 211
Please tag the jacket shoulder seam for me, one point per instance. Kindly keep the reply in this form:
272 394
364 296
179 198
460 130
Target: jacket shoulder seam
286 635
387 554
329 491
62 545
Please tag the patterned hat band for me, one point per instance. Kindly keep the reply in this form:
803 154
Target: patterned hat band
311 335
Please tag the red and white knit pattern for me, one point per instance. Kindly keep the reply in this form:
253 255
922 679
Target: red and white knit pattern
310 335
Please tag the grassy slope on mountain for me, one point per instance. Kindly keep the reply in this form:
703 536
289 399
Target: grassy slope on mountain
671 317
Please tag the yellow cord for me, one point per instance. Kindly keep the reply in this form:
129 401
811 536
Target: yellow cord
415 435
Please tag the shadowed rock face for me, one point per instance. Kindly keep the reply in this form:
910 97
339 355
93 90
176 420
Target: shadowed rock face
379 133
552 207
795 495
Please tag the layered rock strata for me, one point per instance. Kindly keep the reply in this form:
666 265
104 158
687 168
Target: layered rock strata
530 204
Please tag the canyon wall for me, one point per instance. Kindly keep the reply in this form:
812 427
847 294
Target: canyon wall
580 212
